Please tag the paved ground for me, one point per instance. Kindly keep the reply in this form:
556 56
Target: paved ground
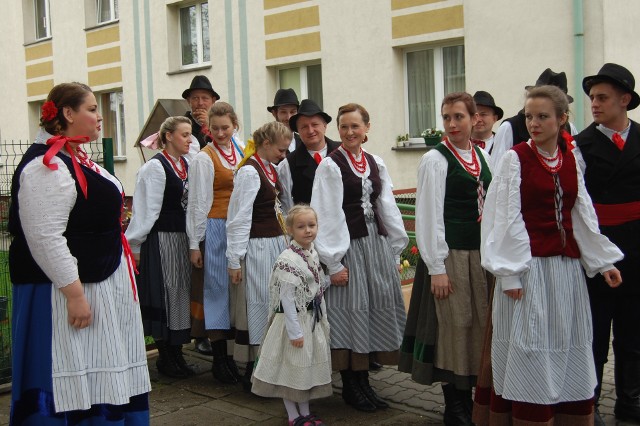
201 400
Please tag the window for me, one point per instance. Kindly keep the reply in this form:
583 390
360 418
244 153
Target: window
305 80
431 74
112 110
106 10
194 34
42 20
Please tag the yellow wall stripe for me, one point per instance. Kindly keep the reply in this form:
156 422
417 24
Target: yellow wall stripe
103 36
106 76
38 51
40 70
292 20
272 4
403 4
427 22
294 45
105 56
39 88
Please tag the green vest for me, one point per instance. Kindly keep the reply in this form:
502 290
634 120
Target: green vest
461 226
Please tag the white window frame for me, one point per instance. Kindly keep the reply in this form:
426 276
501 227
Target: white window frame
199 37
304 84
113 13
438 75
119 146
47 20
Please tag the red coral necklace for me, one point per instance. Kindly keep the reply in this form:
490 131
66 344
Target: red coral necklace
360 166
546 161
230 158
182 174
472 167
272 175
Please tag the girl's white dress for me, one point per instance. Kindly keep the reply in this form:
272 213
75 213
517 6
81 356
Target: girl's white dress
282 370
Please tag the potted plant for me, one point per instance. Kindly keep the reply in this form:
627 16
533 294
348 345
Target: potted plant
402 140
432 136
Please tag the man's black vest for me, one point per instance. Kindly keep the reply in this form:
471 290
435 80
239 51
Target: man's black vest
303 169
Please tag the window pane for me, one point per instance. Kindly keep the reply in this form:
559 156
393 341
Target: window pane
188 35
314 83
420 86
115 9
119 145
290 78
453 58
104 10
108 116
206 54
41 19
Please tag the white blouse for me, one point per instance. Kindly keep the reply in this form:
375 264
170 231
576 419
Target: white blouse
46 199
147 202
430 192
333 238
246 184
201 178
505 247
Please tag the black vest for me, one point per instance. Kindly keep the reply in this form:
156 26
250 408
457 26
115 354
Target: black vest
352 198
172 214
303 169
93 231
518 128
196 130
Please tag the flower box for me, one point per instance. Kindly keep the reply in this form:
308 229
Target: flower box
432 140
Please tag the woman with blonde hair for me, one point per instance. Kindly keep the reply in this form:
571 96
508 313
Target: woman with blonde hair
255 229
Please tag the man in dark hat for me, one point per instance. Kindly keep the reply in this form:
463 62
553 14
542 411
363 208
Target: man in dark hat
285 105
201 97
513 130
297 171
608 152
482 133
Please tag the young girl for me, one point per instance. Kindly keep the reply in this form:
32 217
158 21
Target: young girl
158 240
255 236
294 362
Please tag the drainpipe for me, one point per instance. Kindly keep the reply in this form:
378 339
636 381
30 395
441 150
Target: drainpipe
578 63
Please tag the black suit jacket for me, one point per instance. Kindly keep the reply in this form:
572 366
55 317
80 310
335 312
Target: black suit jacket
303 169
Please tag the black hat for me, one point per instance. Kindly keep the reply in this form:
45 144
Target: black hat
617 75
550 78
308 108
284 97
200 82
485 99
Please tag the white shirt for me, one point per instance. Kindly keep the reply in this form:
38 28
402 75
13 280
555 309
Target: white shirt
245 188
505 248
430 193
333 238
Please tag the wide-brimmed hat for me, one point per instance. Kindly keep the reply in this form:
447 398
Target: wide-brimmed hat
200 82
284 97
550 78
308 108
485 99
617 75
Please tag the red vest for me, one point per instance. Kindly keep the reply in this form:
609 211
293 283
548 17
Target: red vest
537 190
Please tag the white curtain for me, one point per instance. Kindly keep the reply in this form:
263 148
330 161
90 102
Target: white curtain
420 87
453 64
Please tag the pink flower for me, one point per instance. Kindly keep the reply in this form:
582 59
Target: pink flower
414 250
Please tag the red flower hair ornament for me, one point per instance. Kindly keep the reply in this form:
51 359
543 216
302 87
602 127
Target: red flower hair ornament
49 111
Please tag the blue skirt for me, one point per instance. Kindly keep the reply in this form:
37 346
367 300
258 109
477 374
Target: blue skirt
32 388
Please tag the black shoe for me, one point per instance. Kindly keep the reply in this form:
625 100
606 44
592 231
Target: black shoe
246 379
166 362
353 394
203 346
181 362
374 365
455 413
220 366
627 412
363 382
233 368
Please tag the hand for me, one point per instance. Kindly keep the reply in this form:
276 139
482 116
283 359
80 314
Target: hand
399 266
136 258
515 293
196 258
612 277
340 279
441 286
297 343
202 117
235 275
78 309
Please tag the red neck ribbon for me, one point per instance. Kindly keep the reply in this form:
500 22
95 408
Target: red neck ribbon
56 143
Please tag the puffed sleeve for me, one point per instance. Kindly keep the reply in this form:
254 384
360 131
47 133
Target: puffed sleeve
430 236
284 175
147 203
201 178
505 249
46 198
390 213
194 149
245 188
333 238
502 142
597 253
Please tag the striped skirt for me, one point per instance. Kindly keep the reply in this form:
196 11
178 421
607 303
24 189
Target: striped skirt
62 375
259 260
367 316
165 285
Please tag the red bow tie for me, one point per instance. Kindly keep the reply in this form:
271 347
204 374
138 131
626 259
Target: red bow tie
478 142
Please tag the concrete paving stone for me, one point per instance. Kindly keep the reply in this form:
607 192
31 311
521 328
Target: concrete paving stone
409 419
172 398
240 411
396 378
383 373
388 392
199 415
403 396
270 406
206 385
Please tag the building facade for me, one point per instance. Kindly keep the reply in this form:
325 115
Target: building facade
398 58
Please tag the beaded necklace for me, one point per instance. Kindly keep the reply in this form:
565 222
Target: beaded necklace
545 161
182 174
272 175
230 158
360 166
472 167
